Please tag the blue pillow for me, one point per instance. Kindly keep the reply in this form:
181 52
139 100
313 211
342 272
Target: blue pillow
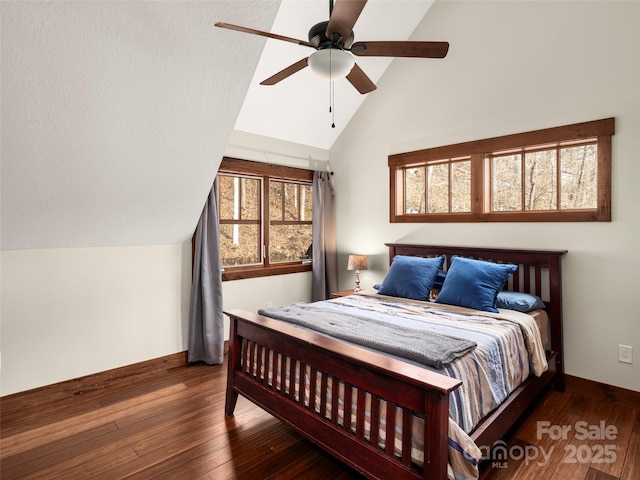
474 283
522 302
411 277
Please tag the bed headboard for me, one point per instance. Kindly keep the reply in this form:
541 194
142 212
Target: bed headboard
539 273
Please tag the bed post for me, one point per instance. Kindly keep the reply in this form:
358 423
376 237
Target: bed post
436 435
233 364
555 314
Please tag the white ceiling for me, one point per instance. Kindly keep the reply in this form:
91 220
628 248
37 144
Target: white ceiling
297 108
115 115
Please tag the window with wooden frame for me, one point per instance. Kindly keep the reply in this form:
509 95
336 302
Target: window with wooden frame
265 219
556 174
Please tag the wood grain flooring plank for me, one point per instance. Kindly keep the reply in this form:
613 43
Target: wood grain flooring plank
219 446
44 456
174 406
165 420
497 469
91 460
84 465
594 474
69 426
202 427
547 409
318 465
550 447
262 442
631 469
621 419
262 467
33 415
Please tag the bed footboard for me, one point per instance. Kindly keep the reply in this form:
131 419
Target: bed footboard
294 373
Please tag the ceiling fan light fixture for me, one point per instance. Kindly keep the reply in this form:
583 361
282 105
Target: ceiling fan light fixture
331 63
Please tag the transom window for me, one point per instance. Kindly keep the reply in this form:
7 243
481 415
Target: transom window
265 219
557 174
441 186
563 177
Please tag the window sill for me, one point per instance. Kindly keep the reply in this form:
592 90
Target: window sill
241 273
603 215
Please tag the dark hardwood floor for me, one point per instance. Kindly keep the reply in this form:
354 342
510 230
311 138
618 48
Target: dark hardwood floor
166 421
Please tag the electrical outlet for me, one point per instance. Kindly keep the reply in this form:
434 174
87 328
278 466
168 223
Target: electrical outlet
269 304
625 354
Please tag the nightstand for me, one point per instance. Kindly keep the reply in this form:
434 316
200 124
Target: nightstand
343 293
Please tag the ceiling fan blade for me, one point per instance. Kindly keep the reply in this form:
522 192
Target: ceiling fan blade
264 34
359 79
287 72
344 15
401 49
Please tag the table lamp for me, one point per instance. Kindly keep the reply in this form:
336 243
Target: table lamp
357 263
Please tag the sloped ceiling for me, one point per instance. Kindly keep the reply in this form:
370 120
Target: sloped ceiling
115 116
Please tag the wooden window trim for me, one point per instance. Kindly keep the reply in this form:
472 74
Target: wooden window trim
276 172
266 172
478 150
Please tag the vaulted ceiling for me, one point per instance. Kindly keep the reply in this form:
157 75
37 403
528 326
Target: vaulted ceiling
297 108
115 115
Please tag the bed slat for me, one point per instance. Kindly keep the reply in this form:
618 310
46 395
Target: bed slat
360 417
406 439
375 421
391 427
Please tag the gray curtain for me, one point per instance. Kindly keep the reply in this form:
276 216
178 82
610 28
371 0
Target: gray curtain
325 262
206 321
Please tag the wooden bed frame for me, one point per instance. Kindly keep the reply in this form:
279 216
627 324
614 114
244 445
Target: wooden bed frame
257 342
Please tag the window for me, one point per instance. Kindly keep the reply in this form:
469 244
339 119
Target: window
556 174
441 186
562 177
265 219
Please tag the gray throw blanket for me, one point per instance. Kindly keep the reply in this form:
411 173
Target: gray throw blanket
429 348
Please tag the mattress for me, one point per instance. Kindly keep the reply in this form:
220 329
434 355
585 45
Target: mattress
542 321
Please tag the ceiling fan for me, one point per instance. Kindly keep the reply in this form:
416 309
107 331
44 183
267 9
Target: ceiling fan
333 42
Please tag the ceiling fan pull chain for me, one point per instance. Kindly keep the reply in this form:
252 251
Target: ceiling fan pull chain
332 90
330 101
333 103
332 93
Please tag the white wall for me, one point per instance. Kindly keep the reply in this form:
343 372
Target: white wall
256 293
513 67
72 312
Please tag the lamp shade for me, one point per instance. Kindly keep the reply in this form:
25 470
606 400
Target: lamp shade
357 262
331 63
